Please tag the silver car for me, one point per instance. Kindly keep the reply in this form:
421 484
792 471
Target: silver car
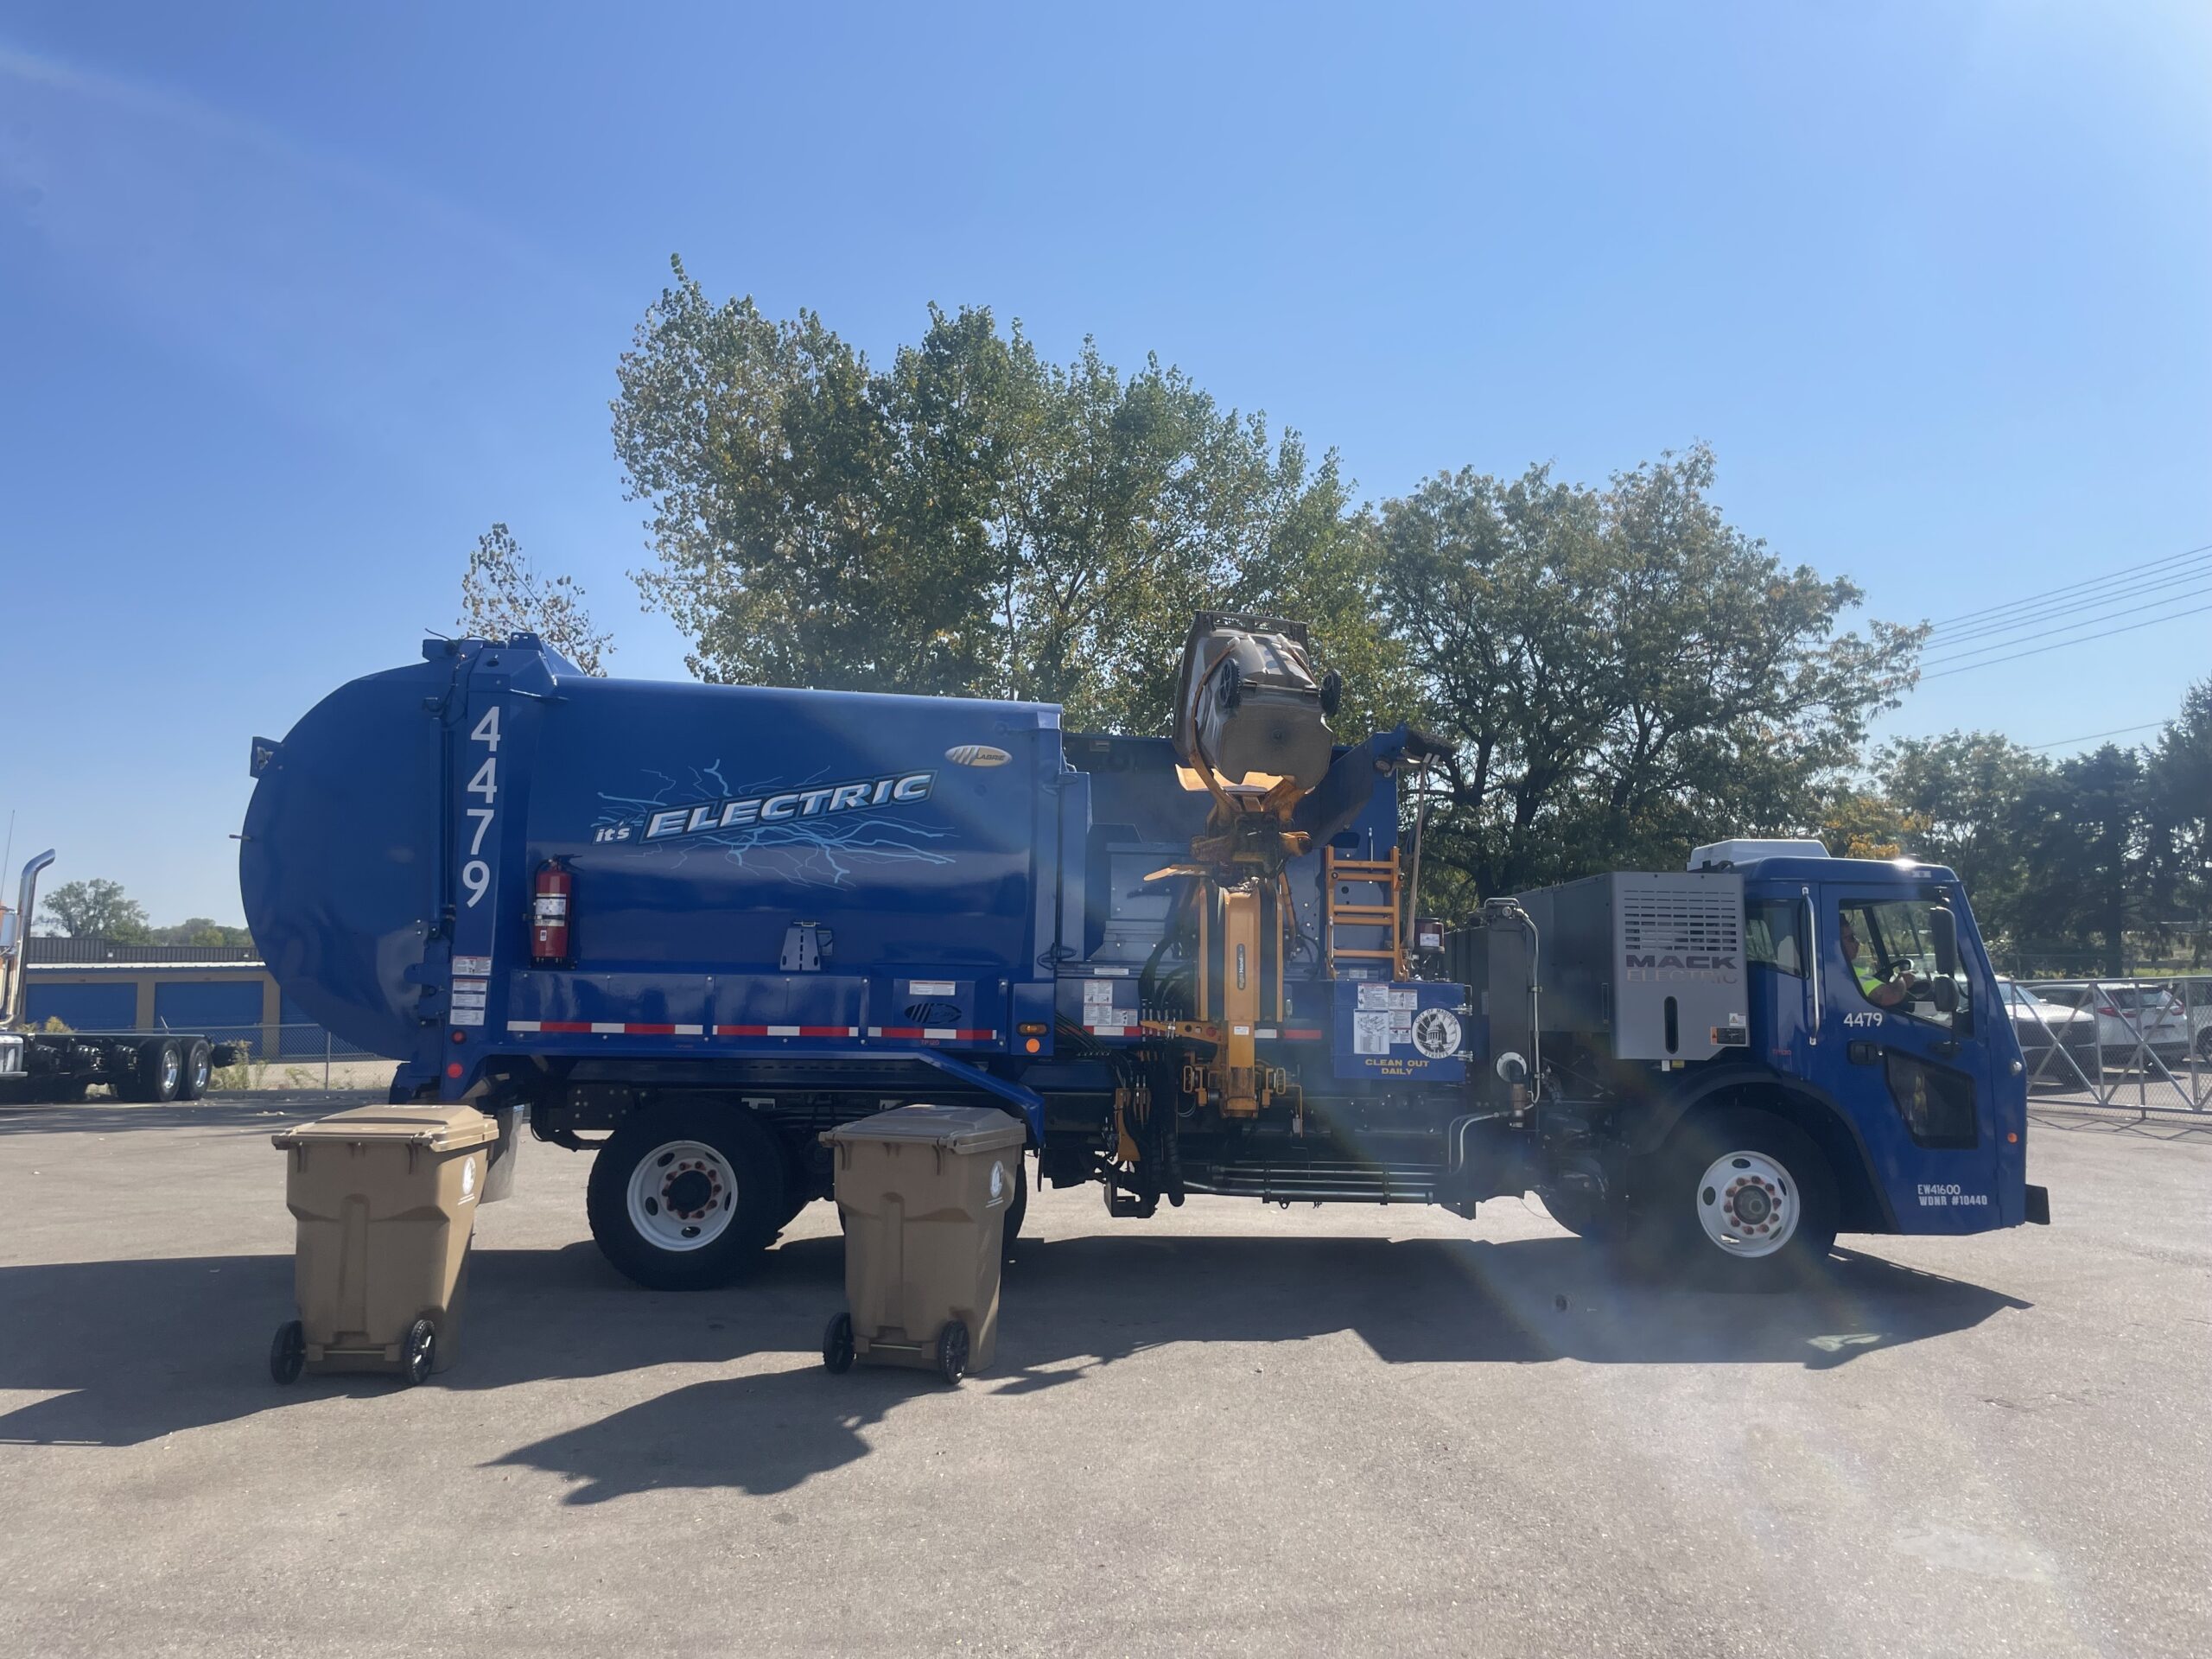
2058 1043
2130 1017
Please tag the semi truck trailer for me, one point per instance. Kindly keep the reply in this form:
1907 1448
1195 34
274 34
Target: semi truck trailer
686 928
57 1066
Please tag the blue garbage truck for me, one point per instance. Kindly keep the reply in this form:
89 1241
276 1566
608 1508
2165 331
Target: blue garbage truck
690 927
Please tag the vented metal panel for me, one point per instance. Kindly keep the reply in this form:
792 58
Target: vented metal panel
1678 962
1698 921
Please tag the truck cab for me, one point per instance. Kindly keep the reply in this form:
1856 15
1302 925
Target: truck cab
1720 1070
1870 990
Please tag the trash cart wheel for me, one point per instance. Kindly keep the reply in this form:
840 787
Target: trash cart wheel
952 1351
420 1355
837 1345
1017 1210
288 1354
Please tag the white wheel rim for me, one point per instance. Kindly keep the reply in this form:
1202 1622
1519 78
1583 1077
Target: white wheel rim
1748 1203
683 1195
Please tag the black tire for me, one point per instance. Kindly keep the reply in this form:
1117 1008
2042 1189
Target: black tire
799 1192
952 1351
1017 1208
1581 1214
1670 1199
751 1204
199 1070
160 1069
419 1357
837 1345
288 1353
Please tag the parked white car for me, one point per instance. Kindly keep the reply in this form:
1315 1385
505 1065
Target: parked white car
2128 1015
2043 1026
2197 993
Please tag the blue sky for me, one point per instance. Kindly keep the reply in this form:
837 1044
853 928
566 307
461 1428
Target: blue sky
296 299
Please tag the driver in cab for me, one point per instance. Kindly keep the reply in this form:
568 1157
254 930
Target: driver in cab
1893 991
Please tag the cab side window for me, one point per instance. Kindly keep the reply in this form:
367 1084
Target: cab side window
1889 948
1770 935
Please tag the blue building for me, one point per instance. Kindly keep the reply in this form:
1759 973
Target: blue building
223 992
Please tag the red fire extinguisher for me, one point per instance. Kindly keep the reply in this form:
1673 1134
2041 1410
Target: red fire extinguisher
548 915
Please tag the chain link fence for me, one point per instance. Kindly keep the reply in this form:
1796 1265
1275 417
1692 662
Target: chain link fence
2133 1044
280 1055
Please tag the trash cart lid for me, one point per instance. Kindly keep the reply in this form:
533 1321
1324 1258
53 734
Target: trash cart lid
441 1129
957 1129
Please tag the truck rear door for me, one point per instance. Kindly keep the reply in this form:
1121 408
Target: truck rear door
1906 1018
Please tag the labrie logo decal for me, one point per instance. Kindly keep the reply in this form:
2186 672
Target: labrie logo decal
665 824
977 754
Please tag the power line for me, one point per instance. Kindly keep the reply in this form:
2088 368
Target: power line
2037 650
2091 737
2093 581
2060 606
2078 622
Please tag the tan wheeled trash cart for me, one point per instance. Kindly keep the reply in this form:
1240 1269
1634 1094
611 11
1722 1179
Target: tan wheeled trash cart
922 1192
385 1198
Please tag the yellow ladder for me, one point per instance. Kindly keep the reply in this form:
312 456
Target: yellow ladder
1362 894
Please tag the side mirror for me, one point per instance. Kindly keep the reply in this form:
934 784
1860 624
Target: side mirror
1945 928
1945 994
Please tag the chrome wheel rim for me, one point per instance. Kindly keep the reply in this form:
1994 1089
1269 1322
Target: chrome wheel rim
682 1196
1748 1203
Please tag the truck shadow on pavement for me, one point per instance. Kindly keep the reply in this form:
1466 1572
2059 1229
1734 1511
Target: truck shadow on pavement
1073 1306
128 1351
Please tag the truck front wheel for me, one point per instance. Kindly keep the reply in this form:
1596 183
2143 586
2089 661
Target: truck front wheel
684 1198
1737 1200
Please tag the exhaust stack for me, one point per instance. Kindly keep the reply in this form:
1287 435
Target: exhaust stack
15 949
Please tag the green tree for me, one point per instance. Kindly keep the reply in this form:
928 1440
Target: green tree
1621 672
200 930
2080 831
1968 794
501 596
1868 824
970 520
96 908
2178 827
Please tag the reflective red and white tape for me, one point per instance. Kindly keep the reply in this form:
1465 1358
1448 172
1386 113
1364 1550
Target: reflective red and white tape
635 1028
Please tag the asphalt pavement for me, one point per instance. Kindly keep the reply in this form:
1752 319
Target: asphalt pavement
1233 1429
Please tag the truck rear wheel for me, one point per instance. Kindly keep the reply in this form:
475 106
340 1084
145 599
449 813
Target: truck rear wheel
684 1198
160 1069
199 1067
1738 1200
1581 1213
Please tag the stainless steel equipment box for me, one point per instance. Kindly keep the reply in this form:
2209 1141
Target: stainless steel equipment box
1653 961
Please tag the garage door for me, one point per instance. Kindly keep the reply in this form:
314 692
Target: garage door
227 1010
82 1007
